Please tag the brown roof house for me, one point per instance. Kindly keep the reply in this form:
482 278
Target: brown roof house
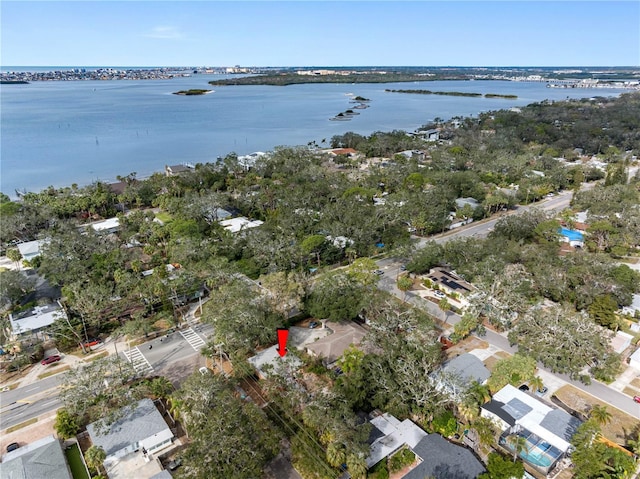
333 346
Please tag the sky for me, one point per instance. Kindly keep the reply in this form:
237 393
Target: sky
320 33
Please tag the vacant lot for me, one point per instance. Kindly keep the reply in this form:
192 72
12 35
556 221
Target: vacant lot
621 424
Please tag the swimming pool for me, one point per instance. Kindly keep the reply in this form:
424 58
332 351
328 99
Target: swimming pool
571 234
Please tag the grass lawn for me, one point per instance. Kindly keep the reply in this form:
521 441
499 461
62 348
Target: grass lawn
78 471
53 371
103 354
22 424
621 425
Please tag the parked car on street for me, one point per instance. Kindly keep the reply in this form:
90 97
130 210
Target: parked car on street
50 359
378 272
636 399
92 342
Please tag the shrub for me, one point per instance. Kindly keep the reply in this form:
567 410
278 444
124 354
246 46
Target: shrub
401 459
379 471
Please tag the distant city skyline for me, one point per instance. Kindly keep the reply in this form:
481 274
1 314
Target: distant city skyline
309 33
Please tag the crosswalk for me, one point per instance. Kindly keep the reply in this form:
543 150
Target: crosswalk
139 362
193 338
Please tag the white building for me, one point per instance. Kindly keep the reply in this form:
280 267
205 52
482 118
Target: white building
36 319
235 225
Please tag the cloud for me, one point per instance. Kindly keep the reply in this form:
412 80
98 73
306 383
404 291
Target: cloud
169 33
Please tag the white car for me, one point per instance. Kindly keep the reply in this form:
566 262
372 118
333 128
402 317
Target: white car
378 272
439 294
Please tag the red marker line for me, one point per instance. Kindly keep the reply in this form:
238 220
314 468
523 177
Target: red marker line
283 334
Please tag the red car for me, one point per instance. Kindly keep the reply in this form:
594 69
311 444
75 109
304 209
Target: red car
92 342
636 399
50 359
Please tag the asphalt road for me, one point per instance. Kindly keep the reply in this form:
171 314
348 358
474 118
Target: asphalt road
174 358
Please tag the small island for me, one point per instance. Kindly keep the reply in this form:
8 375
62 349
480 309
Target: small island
192 92
454 93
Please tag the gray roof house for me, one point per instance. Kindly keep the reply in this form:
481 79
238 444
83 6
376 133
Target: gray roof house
143 428
456 375
40 459
436 457
442 459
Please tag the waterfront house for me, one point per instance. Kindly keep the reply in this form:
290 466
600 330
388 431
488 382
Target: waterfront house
175 170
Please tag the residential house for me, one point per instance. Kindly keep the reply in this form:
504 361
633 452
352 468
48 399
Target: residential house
456 375
436 457
634 360
178 169
140 432
574 238
44 458
30 249
268 361
472 202
452 284
332 347
547 429
235 225
36 319
108 226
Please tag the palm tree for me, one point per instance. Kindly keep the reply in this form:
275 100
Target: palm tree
600 415
535 383
336 454
94 457
518 444
485 430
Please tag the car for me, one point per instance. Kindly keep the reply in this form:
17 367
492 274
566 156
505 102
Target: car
204 371
175 464
636 399
13 446
439 294
313 324
403 267
524 388
50 359
543 390
92 342
378 272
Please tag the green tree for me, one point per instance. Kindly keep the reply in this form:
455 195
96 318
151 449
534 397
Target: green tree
499 467
513 370
517 444
94 458
66 425
14 285
603 311
14 255
404 283
600 415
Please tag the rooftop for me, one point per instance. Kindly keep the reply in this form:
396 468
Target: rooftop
443 460
450 280
40 459
554 425
240 223
141 423
36 318
390 435
468 367
269 361
333 346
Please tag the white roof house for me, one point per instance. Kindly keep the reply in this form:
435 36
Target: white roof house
110 225
35 319
234 225
392 435
634 360
516 410
269 361
30 249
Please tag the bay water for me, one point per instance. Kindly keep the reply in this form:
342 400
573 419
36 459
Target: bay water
62 132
